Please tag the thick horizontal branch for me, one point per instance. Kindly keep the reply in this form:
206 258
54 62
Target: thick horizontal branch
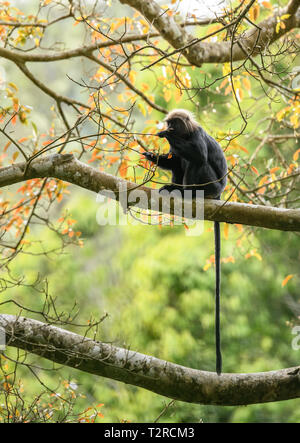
25 57
67 168
162 377
253 41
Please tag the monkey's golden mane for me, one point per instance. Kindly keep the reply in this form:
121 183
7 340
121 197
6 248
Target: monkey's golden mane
185 116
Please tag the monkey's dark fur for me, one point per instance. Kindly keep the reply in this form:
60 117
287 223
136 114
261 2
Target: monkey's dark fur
197 162
195 158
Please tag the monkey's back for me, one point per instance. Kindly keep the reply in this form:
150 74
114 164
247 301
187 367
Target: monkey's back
209 176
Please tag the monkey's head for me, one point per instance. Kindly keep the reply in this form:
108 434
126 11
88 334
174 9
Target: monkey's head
181 122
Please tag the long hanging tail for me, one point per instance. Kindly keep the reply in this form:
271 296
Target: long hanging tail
217 300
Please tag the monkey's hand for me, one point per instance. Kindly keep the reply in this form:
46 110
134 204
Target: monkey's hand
149 156
163 134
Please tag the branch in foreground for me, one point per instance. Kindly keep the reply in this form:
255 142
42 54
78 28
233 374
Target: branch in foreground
67 168
162 377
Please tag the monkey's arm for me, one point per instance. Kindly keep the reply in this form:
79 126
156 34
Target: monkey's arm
194 149
164 161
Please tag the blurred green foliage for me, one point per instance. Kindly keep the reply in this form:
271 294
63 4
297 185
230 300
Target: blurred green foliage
160 301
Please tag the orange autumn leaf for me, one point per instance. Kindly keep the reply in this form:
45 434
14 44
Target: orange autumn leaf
247 84
21 140
262 190
254 170
253 253
263 180
254 13
7 386
6 146
228 90
274 170
239 227
286 279
267 5
123 169
112 159
290 168
295 156
226 230
229 259
243 149
25 242
224 83
15 155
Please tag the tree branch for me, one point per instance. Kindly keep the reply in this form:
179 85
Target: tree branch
177 36
130 85
67 168
198 52
159 376
24 57
20 60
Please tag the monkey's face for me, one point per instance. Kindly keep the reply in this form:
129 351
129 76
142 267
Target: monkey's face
178 127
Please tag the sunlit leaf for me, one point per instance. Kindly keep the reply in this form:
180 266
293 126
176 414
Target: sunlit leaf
226 230
254 170
254 12
286 279
267 5
123 169
273 170
15 155
247 83
296 155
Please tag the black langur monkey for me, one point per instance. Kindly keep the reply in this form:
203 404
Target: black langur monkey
197 162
